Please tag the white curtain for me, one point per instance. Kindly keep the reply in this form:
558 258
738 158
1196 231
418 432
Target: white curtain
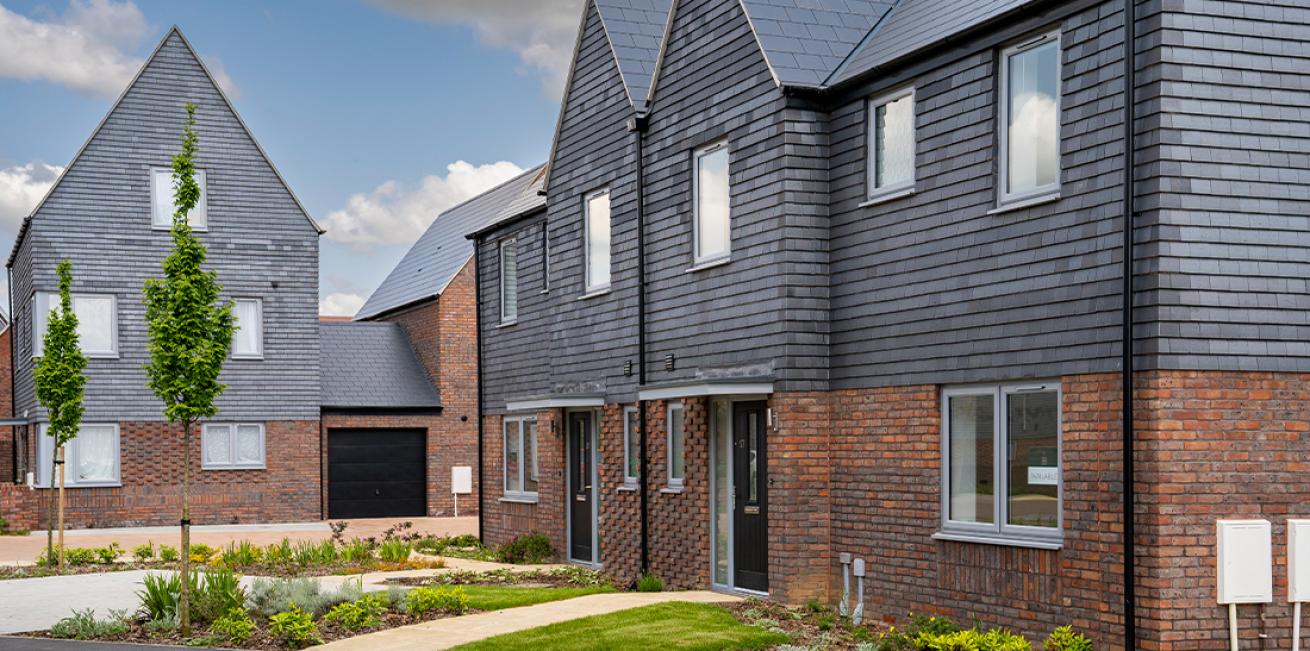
97 455
249 335
217 444
95 323
250 444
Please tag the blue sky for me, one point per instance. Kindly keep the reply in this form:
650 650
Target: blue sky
380 113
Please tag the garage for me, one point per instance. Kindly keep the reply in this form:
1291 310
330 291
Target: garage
376 473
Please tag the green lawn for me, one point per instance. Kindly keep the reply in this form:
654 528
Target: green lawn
673 625
487 597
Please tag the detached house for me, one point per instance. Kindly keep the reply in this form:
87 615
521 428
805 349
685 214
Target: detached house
319 420
817 278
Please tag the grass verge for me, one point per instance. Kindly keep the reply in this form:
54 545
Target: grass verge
489 597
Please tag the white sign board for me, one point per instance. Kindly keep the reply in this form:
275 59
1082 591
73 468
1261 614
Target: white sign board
1245 561
1298 560
461 480
1043 476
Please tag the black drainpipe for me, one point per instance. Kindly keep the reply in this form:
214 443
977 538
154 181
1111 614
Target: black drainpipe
477 326
638 125
13 375
1129 496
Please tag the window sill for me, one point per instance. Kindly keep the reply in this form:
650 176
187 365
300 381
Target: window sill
248 358
507 324
884 197
672 490
1005 541
519 499
709 264
222 468
68 486
1020 204
594 293
627 488
100 355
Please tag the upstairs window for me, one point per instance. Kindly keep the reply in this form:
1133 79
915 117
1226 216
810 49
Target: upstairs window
248 342
1030 119
891 143
509 281
677 446
161 189
712 233
597 236
232 446
97 322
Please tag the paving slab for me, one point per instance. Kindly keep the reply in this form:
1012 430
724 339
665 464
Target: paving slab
454 631
40 644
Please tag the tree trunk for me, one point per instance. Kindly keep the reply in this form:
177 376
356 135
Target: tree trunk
62 465
184 600
50 509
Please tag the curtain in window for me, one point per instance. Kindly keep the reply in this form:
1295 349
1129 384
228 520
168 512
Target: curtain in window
530 456
217 445
513 472
95 323
247 340
250 444
96 454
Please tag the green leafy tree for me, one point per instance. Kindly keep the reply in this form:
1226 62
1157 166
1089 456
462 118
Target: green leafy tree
190 330
60 385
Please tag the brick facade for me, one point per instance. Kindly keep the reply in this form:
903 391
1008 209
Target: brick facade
8 468
503 520
18 506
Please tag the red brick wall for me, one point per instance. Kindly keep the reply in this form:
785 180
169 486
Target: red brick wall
800 497
151 472
679 521
620 505
503 521
18 506
7 470
1214 445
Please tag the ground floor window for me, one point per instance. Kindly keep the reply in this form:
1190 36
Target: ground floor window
520 460
232 446
721 490
1001 455
677 446
91 459
631 446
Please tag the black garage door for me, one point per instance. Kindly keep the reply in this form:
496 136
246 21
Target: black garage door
376 473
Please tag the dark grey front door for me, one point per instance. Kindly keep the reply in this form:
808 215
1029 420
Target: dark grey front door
581 495
750 510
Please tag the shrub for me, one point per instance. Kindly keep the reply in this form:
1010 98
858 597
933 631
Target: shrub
200 552
168 554
144 553
394 551
241 554
235 626
218 593
83 625
307 553
529 548
358 614
271 596
650 583
109 554
159 598
72 556
446 599
402 531
163 626
356 551
338 531
295 628
1066 639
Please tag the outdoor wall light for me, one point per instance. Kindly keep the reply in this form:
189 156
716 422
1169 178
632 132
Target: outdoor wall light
669 360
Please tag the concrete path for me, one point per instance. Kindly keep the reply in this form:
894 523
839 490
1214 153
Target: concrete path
24 549
454 631
40 644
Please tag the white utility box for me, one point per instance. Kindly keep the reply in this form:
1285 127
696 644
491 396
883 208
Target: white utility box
1245 561
1298 560
461 480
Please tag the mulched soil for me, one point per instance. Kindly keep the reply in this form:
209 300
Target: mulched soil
31 571
522 580
814 628
258 569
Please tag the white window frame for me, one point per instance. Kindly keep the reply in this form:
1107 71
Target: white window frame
259 314
507 318
545 258
676 483
697 259
38 334
586 242
999 531
1004 196
232 446
45 447
629 481
900 188
522 495
199 216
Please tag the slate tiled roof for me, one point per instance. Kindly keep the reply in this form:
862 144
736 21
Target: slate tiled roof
635 28
442 250
805 41
915 24
371 365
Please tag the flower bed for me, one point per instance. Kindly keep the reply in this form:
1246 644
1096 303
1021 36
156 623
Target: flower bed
561 577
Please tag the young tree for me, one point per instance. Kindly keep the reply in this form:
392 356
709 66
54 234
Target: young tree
59 388
190 330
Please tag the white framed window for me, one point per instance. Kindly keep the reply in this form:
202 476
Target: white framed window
1030 119
711 205
1002 478
90 460
97 322
162 208
597 241
545 258
248 341
232 446
677 447
520 458
509 281
891 143
631 446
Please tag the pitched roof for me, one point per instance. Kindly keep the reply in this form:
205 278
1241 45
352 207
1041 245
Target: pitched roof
635 28
442 250
805 41
371 365
913 25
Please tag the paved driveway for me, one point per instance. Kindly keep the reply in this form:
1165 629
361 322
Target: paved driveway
35 604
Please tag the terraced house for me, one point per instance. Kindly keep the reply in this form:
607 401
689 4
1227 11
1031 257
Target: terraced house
318 420
866 277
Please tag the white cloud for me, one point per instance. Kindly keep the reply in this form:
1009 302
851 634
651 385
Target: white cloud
340 304
396 214
21 187
541 32
88 48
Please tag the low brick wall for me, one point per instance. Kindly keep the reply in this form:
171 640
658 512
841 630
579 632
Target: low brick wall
18 506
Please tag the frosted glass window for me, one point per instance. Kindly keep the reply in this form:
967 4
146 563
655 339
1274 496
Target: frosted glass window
677 446
513 457
161 190
598 241
891 132
227 446
1031 121
721 436
250 444
248 341
530 461
216 446
631 445
712 208
97 322
509 281
91 459
972 441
